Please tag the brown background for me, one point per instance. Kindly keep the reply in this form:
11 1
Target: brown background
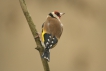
82 46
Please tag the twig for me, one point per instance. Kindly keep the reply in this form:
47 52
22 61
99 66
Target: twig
34 33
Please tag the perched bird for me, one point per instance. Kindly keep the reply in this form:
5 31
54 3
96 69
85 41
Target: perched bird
52 29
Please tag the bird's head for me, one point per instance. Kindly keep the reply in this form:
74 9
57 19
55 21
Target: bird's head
56 14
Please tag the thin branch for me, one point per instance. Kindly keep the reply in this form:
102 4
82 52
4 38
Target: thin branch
34 33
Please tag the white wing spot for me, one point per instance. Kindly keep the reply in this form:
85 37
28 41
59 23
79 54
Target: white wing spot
52 42
48 39
47 59
44 57
50 36
47 43
50 45
53 38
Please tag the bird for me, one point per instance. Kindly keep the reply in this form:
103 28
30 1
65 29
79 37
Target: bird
52 30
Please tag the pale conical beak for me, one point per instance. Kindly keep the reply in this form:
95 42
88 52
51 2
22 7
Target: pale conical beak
62 14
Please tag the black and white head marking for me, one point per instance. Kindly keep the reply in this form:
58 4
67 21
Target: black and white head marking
55 15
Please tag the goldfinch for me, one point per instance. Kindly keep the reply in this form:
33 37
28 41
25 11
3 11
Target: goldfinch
52 29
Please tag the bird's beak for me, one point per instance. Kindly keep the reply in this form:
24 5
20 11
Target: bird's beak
62 14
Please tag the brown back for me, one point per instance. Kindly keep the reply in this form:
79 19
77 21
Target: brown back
53 26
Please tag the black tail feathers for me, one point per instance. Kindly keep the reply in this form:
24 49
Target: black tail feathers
46 54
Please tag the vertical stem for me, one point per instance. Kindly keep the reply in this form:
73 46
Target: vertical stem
34 33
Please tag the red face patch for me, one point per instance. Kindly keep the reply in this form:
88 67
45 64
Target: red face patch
57 13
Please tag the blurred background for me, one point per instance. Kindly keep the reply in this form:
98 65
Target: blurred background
82 46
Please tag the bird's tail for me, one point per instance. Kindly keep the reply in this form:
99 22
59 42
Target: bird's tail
46 54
